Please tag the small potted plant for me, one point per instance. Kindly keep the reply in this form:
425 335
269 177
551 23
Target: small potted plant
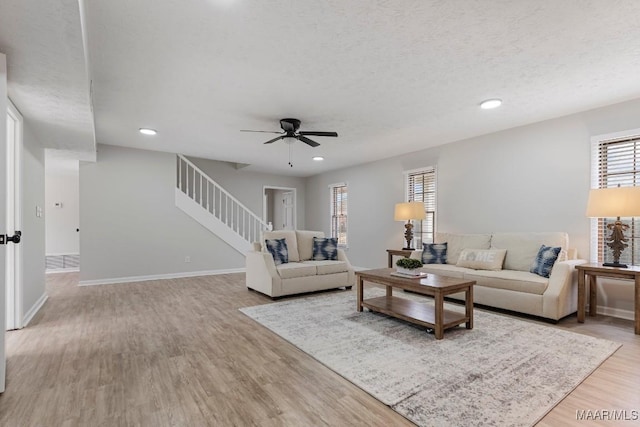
409 266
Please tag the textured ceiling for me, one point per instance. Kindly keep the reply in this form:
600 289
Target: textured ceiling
47 74
390 77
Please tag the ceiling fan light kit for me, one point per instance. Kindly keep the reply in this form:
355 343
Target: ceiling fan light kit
290 133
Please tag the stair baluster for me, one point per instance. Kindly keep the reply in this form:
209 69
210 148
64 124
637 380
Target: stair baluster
211 205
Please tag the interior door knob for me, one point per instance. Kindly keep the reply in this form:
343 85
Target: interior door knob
15 238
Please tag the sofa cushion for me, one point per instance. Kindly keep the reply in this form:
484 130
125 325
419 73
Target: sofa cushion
434 253
328 267
325 249
290 237
522 248
295 269
457 242
482 259
520 281
543 262
305 243
278 250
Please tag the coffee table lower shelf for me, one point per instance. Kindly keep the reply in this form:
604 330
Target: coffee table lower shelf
414 312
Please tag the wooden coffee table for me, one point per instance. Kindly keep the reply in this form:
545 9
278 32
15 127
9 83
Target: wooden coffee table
436 317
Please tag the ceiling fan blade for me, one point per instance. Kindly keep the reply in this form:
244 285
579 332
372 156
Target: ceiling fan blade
314 133
260 131
308 141
274 139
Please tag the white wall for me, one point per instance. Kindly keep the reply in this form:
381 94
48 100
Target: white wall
62 186
33 227
130 226
269 196
531 178
374 189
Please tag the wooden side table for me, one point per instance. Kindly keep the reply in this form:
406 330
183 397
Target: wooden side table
397 252
588 273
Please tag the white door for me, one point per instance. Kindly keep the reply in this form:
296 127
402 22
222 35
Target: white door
3 181
288 211
13 265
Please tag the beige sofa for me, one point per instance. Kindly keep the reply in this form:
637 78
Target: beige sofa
514 287
301 274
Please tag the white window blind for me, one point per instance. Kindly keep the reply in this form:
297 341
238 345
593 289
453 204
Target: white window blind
421 187
339 196
615 162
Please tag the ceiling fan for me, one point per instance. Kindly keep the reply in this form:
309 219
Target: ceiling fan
290 131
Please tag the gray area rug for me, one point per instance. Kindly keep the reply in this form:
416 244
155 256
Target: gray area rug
504 372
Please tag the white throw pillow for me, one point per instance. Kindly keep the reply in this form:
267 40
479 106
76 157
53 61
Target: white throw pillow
482 259
457 242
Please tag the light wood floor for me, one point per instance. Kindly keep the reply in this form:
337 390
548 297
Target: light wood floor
179 353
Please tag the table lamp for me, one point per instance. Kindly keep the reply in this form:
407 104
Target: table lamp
615 202
406 212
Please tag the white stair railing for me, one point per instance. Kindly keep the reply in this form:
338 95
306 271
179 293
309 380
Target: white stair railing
199 187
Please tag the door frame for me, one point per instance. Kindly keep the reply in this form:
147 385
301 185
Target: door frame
13 274
265 202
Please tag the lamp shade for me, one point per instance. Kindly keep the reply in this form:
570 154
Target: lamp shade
409 210
614 202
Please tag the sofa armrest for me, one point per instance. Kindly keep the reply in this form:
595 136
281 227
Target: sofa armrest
342 256
261 273
560 298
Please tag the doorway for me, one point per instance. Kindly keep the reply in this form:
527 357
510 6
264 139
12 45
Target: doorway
279 207
62 223
13 254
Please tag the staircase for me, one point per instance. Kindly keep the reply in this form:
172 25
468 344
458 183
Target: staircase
213 207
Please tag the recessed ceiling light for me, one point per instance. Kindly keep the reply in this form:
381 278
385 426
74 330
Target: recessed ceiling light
147 131
490 103
318 158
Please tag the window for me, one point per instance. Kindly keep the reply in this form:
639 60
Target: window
421 187
339 213
615 162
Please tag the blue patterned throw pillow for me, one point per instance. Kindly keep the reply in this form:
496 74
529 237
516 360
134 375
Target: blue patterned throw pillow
278 250
543 263
325 249
434 253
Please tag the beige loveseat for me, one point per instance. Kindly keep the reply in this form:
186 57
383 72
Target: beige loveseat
513 287
301 274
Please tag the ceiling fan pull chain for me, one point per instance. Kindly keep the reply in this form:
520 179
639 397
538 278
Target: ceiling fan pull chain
290 148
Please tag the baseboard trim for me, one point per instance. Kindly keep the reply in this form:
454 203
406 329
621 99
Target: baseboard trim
34 310
62 270
158 277
66 253
616 312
